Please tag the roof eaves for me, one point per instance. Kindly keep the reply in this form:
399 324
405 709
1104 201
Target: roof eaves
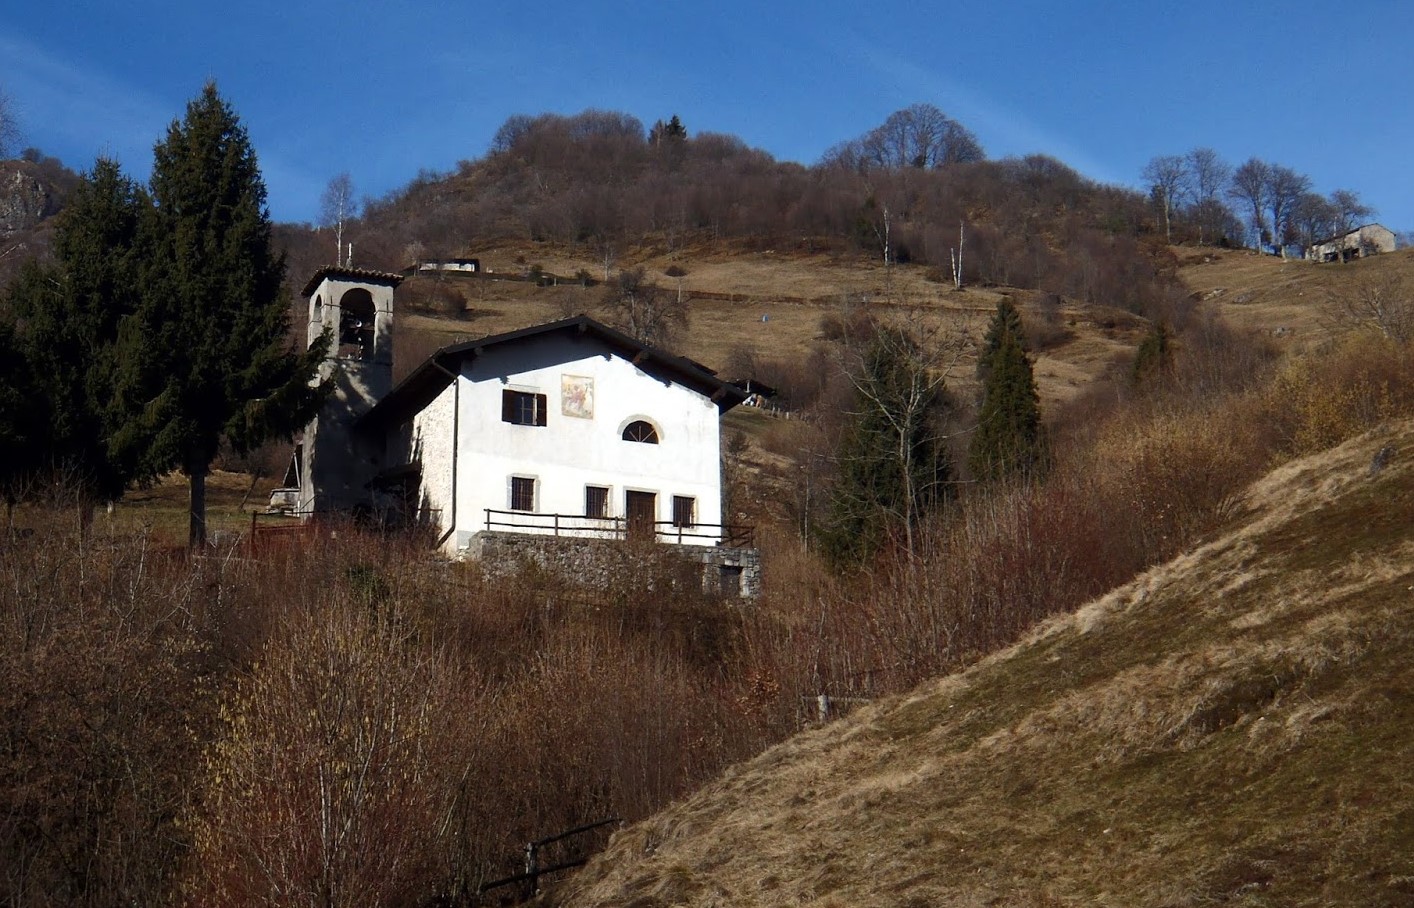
365 275
424 382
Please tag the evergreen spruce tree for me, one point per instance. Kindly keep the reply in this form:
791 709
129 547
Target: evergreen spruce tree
893 465
206 359
18 417
71 313
1006 322
1010 440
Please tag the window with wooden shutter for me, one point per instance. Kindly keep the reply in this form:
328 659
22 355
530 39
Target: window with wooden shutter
523 408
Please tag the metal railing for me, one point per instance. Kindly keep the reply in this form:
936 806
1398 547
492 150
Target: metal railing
534 870
582 526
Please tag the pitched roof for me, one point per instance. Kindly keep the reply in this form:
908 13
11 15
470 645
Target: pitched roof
425 382
353 274
1348 234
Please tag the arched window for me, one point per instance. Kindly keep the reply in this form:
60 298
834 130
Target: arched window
642 432
356 325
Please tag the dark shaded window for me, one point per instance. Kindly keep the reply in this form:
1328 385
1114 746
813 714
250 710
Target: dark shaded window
596 501
356 317
640 431
522 493
729 580
683 508
523 408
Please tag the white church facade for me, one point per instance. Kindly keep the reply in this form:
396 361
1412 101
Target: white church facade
569 430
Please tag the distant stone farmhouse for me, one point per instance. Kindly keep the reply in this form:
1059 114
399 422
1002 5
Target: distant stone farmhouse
1370 239
467 266
569 431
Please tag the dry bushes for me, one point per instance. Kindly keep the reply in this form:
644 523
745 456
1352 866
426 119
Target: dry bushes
407 726
1318 400
352 720
347 721
1139 476
338 772
102 703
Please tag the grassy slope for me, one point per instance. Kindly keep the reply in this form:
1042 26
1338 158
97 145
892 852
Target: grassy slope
793 290
1234 727
1265 293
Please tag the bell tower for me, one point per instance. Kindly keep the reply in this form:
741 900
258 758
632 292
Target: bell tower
351 311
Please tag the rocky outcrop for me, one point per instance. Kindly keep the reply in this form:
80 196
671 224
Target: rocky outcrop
25 198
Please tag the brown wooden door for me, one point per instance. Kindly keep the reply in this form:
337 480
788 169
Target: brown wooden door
641 509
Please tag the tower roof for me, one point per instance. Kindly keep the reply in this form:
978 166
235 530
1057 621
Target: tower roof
360 275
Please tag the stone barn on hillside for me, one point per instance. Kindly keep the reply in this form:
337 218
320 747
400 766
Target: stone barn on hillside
1371 239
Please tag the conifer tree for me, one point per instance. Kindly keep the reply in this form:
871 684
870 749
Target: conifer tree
71 313
1006 321
206 359
894 467
18 424
1010 440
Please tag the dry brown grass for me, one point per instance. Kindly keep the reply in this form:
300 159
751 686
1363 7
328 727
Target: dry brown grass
732 289
1264 293
1229 728
159 511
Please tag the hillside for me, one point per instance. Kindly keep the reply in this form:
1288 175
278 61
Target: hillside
1286 299
1233 727
771 305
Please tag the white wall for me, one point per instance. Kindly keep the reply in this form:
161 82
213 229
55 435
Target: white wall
569 452
433 430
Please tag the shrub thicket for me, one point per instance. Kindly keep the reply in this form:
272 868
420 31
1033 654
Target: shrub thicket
352 715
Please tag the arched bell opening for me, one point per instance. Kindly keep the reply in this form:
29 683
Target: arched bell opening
356 325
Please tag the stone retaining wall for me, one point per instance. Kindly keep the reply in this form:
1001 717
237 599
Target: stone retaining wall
733 572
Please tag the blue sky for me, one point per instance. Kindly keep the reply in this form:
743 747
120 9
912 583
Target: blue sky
382 90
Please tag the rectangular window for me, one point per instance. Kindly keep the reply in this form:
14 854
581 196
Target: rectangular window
523 408
683 508
596 501
522 493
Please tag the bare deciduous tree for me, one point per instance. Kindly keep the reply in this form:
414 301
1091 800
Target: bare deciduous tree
1381 302
1249 186
642 309
1347 213
1167 175
9 126
1313 218
920 136
1208 174
957 256
1285 187
337 206
677 273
